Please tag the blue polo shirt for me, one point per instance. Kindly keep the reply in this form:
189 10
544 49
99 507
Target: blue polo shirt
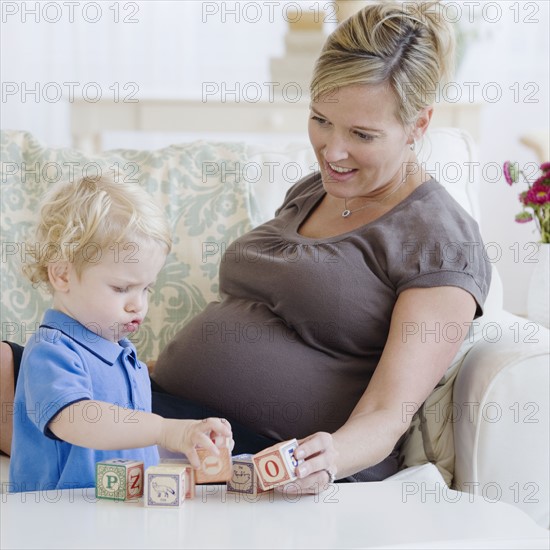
65 363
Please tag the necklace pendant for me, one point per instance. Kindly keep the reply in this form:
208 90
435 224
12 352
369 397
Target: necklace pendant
346 213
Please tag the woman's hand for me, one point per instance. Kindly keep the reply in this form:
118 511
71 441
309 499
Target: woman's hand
185 435
317 457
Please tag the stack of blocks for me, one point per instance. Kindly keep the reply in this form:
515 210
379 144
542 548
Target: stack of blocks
254 474
171 482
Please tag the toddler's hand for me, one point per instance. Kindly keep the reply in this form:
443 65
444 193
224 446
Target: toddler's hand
185 435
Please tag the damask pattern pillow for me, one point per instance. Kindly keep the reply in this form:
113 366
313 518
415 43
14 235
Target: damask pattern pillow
199 186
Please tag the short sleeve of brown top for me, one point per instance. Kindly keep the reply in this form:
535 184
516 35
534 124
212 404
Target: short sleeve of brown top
302 322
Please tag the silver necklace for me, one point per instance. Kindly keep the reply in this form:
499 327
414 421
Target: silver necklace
347 212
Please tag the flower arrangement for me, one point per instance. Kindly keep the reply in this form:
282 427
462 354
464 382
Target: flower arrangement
535 201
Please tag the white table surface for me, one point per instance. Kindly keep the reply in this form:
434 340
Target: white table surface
369 515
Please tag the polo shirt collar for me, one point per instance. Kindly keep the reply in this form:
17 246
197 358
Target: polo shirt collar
102 348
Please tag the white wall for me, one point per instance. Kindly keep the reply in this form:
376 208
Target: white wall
172 49
511 56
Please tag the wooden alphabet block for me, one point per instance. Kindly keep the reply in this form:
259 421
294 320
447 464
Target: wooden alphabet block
244 479
165 485
119 479
214 468
276 465
189 474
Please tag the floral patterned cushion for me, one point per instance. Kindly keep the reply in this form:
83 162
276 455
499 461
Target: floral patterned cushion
196 184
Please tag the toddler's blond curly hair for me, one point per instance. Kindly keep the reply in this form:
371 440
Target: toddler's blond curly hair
80 220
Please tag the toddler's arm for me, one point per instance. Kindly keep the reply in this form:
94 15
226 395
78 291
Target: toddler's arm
115 427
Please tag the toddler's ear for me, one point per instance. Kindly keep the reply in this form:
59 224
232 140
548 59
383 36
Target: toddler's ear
59 275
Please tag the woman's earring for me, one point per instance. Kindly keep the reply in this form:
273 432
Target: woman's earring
412 146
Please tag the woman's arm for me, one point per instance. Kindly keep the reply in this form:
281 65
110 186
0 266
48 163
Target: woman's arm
115 427
415 358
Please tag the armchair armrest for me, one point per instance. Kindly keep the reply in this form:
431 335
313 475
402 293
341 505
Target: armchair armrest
501 430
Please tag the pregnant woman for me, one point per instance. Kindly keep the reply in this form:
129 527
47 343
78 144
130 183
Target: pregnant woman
307 338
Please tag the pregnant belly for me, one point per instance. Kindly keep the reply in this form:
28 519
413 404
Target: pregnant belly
241 359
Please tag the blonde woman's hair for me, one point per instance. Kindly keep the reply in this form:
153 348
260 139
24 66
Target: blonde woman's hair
408 46
80 220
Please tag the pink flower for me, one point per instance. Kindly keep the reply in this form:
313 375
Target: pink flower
538 194
511 172
523 197
544 179
524 217
535 199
